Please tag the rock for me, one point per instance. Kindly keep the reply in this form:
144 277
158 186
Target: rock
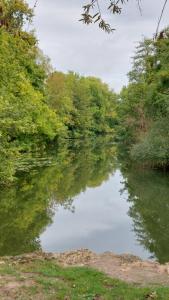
161 269
152 296
167 270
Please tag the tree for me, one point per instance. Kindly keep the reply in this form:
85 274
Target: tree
25 118
144 107
85 105
14 14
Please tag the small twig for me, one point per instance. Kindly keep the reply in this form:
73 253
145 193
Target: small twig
159 21
33 9
98 5
35 4
139 6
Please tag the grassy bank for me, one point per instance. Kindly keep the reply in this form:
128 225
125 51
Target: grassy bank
42 279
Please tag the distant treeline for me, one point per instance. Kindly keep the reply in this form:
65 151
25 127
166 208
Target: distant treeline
83 105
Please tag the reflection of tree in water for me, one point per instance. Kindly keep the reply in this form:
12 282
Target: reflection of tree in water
26 208
149 196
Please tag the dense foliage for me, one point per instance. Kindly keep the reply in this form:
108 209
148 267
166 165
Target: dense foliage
85 105
144 103
31 115
24 116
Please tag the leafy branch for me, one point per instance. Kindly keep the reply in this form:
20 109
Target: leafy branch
92 13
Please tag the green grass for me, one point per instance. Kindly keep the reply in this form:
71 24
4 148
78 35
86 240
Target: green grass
78 283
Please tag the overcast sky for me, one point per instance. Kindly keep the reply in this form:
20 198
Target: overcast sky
86 49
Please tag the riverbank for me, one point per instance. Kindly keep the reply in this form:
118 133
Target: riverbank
82 274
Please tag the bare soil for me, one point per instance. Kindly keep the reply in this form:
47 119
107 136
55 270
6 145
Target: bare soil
126 267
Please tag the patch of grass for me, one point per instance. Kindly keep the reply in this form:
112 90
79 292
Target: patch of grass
78 283
7 269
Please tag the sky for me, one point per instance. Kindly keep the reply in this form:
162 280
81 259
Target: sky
87 50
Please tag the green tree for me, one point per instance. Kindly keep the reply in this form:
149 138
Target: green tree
14 14
143 105
25 118
85 105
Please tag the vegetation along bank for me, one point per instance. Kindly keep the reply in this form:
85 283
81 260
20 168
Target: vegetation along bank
39 106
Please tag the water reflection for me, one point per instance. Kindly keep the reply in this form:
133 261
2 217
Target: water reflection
28 207
80 195
149 208
100 222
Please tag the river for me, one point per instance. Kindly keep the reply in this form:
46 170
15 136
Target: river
86 194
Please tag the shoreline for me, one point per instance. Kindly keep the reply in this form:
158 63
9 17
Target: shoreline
82 275
126 267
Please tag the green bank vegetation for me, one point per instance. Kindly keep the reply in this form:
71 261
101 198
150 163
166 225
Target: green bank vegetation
36 105
144 103
47 280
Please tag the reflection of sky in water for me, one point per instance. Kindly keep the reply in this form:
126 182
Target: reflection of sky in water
100 223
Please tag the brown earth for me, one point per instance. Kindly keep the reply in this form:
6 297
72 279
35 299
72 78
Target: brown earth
125 267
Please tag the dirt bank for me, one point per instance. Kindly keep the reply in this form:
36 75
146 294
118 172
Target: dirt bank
125 267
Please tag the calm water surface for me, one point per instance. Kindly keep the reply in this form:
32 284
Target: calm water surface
100 222
85 194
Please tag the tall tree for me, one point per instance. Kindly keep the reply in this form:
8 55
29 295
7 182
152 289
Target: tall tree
144 103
